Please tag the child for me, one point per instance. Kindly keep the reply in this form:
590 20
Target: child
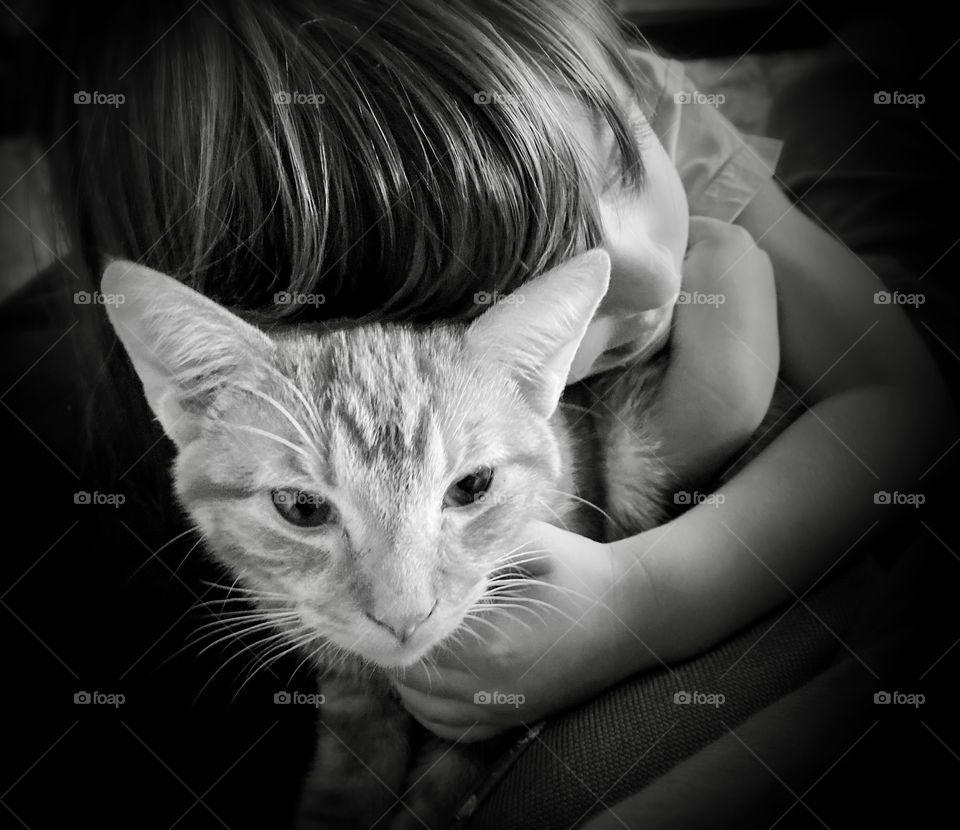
397 159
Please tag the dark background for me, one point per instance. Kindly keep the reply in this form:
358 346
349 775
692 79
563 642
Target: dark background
96 598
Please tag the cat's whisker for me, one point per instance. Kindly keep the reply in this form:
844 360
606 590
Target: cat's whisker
539 603
497 606
242 632
526 582
477 617
465 628
504 611
237 629
231 614
456 637
212 629
554 513
310 442
310 656
300 642
308 405
294 643
232 623
428 662
245 650
613 522
518 551
516 571
265 433
193 547
264 662
162 547
255 592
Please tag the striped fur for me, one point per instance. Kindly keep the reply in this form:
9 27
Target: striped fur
380 420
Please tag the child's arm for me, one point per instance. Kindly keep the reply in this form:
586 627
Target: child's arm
879 416
724 355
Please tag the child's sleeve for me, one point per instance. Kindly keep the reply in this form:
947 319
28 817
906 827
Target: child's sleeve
720 167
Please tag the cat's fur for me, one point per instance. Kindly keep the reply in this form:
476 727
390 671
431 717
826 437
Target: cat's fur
380 420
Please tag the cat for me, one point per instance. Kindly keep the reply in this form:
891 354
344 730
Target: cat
368 485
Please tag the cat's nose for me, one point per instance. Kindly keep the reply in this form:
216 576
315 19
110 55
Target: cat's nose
402 624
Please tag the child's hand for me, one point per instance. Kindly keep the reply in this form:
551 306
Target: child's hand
533 664
726 351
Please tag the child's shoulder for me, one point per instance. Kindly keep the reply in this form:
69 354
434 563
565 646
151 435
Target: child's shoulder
721 168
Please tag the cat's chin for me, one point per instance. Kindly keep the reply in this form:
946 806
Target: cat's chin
398 657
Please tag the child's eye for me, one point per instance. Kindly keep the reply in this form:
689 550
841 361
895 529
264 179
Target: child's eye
469 489
301 508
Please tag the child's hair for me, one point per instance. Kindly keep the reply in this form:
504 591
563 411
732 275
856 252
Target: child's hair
394 158
390 160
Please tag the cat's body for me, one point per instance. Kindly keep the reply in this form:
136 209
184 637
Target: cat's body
369 485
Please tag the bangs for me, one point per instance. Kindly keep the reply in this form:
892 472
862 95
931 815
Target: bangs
389 161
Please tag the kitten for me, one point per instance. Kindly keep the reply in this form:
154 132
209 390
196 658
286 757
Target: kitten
369 486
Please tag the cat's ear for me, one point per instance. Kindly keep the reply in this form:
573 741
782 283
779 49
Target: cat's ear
535 331
183 345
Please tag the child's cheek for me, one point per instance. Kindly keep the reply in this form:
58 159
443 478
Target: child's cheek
645 233
665 202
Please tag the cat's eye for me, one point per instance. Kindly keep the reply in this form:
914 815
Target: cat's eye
302 508
469 489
